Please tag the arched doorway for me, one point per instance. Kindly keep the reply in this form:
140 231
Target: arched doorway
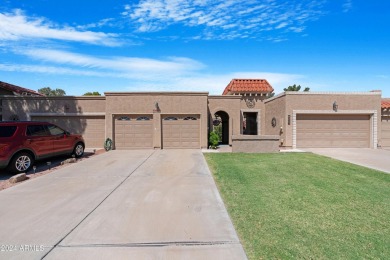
221 126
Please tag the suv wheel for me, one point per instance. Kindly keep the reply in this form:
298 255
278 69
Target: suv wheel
78 150
21 162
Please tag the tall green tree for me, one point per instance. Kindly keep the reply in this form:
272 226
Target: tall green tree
52 92
295 88
95 93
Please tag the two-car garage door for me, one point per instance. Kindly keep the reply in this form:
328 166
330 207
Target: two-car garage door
177 131
333 131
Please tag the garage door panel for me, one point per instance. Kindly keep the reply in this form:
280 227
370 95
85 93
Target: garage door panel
92 128
131 133
181 133
333 131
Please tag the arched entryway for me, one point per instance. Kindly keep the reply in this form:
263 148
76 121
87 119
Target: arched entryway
221 126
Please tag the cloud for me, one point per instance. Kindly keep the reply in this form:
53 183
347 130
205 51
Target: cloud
130 65
16 26
164 74
222 19
101 23
195 81
347 6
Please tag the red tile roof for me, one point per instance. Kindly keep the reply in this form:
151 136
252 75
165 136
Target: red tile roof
385 103
19 90
248 86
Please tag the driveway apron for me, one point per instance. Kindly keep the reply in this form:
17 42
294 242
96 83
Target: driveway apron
146 204
377 159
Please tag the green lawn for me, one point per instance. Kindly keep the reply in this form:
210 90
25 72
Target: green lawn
300 205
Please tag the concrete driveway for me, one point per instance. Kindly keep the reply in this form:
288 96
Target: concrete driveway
377 159
120 205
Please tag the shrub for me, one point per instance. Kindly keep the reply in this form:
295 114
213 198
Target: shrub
213 140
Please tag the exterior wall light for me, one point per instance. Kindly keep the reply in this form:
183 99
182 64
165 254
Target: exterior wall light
335 106
156 107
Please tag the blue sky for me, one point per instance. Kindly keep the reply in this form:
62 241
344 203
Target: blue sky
198 45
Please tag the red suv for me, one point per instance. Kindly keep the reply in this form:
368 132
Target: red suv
21 143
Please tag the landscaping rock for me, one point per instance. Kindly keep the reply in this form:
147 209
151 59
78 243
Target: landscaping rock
18 178
70 160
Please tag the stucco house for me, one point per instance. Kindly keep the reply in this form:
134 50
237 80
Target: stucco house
252 119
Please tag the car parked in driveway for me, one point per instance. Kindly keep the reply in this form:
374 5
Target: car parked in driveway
21 143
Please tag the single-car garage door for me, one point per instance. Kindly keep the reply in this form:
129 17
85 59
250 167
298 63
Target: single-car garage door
133 132
92 128
181 131
385 137
328 131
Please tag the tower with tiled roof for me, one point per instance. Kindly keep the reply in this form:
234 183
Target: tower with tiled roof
248 87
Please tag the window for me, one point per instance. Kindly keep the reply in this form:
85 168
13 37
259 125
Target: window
55 130
190 118
170 118
124 118
143 118
37 130
7 131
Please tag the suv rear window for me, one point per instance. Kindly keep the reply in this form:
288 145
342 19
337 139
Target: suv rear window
37 130
7 130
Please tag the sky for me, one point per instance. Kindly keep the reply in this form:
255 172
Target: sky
195 45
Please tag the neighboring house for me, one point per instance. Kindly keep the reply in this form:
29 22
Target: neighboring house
7 89
250 118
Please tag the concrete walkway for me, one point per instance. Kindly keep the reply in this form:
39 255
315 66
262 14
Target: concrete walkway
377 159
120 205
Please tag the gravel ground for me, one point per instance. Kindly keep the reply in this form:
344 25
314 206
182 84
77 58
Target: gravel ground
43 168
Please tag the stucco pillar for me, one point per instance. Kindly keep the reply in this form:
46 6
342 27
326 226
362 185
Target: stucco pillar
157 130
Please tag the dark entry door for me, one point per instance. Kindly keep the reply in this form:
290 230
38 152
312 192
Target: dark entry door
250 123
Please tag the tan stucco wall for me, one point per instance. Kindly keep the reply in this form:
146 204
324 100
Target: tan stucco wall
24 107
229 104
276 109
170 103
318 102
255 144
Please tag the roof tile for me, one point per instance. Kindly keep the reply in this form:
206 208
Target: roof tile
385 103
248 86
18 89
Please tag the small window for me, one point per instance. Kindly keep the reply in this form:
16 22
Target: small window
7 131
37 130
143 118
55 130
190 118
170 118
124 118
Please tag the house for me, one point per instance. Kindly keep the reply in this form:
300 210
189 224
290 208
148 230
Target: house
252 119
13 90
7 89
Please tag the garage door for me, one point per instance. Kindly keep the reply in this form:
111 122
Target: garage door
349 131
385 139
92 128
133 132
181 131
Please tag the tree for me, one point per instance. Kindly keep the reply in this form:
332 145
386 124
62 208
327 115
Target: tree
295 88
52 92
95 93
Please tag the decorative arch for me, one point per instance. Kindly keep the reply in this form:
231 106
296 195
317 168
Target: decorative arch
221 124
